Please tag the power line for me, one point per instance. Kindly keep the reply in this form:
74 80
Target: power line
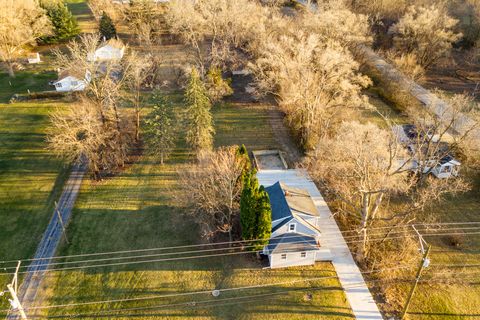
240 299
340 242
204 250
209 291
197 251
231 242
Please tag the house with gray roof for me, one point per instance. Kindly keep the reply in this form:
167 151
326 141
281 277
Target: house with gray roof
295 238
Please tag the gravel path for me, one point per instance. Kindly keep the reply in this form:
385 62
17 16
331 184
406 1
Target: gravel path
51 239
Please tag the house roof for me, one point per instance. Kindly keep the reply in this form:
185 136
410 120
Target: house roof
291 242
288 202
65 74
114 43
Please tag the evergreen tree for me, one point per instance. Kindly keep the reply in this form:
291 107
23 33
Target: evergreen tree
200 129
107 28
160 130
64 24
263 225
255 212
247 205
217 87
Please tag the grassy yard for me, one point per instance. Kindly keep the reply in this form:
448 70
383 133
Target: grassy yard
137 209
82 12
30 178
24 81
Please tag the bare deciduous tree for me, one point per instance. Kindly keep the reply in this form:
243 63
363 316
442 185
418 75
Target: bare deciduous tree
21 23
145 19
140 69
212 188
215 29
314 82
358 165
427 32
105 92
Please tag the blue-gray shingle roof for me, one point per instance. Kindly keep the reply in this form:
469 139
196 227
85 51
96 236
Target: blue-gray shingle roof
278 203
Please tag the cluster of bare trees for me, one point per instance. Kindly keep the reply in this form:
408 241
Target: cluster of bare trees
211 188
367 167
22 22
98 128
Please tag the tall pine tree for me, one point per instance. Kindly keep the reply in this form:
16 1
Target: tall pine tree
263 225
107 28
64 24
160 130
200 129
255 212
247 205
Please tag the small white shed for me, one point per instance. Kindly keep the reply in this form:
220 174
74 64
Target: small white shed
34 58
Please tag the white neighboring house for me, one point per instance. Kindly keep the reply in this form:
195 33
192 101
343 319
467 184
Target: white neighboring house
34 58
68 82
443 167
110 50
295 235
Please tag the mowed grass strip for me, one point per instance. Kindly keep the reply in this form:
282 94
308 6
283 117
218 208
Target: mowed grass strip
31 179
139 208
84 15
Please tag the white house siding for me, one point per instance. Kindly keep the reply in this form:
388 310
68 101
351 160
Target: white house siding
292 259
300 228
70 84
107 53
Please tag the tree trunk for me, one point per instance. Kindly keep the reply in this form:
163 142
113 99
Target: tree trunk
11 72
378 201
361 249
137 127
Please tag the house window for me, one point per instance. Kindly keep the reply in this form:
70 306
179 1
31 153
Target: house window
292 227
284 256
303 255
58 85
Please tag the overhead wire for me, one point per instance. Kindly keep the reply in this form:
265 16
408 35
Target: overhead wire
230 242
221 249
340 242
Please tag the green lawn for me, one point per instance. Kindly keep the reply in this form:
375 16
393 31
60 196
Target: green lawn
82 12
30 178
24 81
137 209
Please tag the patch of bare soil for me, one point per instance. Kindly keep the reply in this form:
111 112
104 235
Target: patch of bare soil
456 75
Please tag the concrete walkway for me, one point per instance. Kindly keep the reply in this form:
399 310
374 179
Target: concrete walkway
52 236
351 279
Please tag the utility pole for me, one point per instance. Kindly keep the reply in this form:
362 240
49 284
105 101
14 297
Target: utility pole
423 264
13 288
61 222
